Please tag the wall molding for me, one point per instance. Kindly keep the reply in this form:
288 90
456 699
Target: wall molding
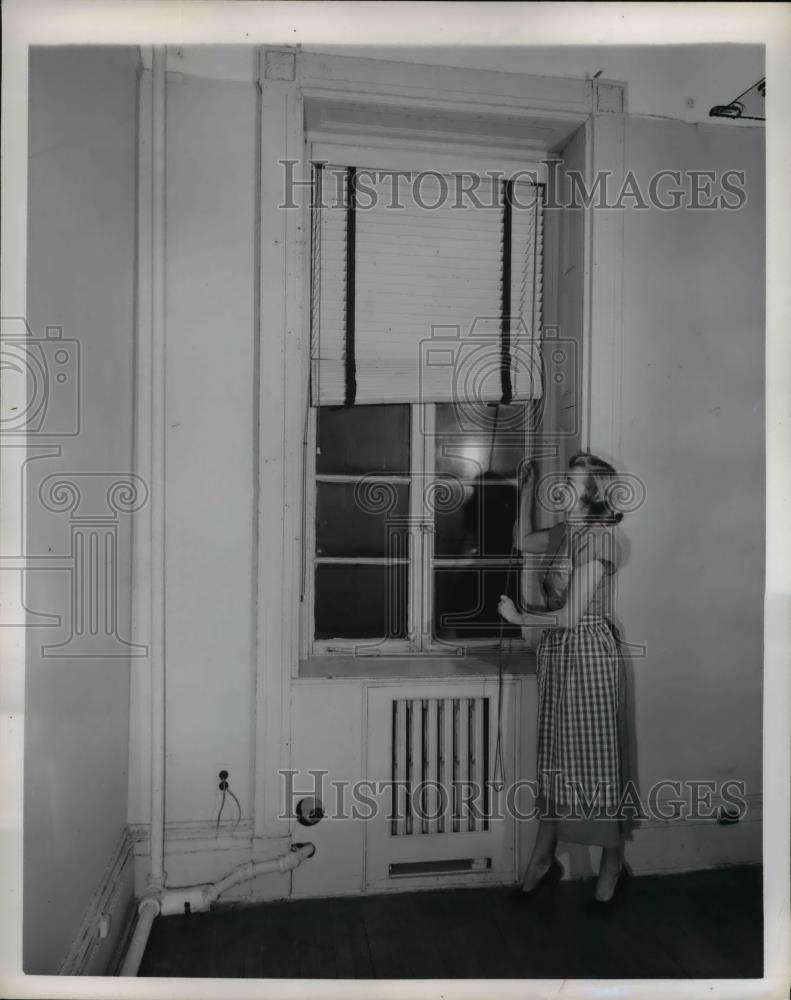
753 814
89 954
356 78
195 854
195 835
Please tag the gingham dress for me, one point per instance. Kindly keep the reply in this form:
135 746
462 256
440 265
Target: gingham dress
581 695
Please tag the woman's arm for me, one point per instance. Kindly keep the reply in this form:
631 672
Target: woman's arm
535 542
582 586
526 537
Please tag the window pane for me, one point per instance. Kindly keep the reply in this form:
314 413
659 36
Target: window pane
361 602
360 519
355 440
465 602
472 440
483 526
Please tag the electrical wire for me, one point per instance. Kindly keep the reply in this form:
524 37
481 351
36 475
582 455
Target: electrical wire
239 810
219 814
534 416
499 758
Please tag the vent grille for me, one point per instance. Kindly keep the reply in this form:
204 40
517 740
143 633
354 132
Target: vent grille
404 869
440 765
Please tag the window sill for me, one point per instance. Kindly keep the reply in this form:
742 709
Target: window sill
516 663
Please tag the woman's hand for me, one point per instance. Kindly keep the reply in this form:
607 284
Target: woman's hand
507 609
527 471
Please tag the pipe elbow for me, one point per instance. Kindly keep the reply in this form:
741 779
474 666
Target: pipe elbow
150 903
304 851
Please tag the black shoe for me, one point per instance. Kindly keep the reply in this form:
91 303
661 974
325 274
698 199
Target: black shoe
594 905
545 884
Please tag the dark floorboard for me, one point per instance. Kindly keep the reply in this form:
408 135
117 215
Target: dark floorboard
698 925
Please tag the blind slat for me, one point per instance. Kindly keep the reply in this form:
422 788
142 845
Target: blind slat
420 274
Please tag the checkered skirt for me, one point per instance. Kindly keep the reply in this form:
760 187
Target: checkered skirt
581 696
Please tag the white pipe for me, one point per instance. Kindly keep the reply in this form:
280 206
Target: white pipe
252 869
198 898
156 879
147 912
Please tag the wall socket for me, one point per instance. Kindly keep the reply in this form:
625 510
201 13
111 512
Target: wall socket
219 768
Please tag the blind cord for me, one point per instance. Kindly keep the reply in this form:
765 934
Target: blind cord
350 361
505 330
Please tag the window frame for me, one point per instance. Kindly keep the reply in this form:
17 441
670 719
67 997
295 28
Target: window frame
420 640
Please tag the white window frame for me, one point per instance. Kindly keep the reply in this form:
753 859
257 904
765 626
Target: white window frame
290 79
420 641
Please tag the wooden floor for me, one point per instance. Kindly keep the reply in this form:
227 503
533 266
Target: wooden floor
698 925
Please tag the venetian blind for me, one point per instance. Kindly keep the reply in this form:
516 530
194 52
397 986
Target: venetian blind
422 293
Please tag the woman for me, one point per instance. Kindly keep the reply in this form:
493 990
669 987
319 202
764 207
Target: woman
581 689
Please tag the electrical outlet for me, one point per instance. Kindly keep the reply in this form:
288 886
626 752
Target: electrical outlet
227 795
222 768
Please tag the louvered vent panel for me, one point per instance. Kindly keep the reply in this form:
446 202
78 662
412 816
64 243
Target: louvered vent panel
440 765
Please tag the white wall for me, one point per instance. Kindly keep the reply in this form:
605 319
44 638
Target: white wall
211 130
210 452
81 221
692 429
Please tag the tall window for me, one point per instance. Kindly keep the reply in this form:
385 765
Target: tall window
426 382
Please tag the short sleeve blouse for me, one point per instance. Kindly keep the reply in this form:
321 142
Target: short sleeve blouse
571 547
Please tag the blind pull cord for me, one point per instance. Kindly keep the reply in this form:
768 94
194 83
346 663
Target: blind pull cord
350 360
505 328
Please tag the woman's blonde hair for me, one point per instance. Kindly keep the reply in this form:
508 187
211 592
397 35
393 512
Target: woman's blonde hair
599 482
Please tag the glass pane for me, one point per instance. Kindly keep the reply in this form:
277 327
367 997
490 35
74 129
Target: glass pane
473 440
483 526
354 440
465 602
361 602
360 519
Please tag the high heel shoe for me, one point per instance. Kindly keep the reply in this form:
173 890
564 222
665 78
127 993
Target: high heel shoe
546 883
594 905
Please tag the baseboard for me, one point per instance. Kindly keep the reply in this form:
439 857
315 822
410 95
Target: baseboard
124 938
681 845
90 954
198 852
